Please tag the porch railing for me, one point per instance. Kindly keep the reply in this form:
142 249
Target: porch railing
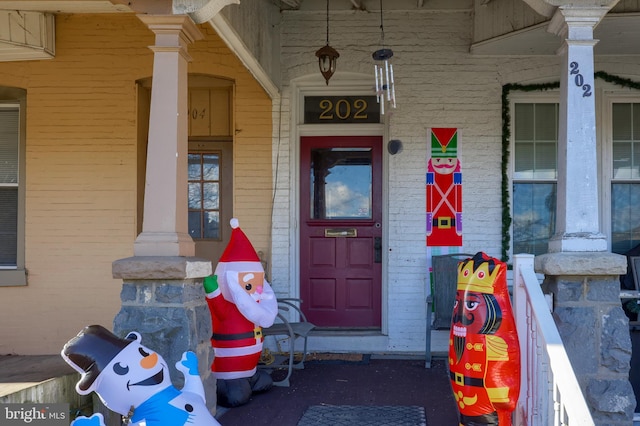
550 393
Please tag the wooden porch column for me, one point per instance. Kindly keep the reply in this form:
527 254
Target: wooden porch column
165 223
577 222
582 276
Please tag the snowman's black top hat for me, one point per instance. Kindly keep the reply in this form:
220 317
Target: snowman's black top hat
91 351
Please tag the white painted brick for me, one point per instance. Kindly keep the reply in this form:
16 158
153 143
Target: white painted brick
439 84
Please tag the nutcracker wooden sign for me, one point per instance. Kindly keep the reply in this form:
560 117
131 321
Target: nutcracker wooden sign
444 189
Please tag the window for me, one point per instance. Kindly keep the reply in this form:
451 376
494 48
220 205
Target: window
340 183
204 195
535 141
625 176
9 124
12 271
534 167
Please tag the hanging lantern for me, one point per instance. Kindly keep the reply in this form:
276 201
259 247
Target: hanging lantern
383 69
327 56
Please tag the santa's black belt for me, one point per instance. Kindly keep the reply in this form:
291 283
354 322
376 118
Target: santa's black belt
255 334
466 381
444 222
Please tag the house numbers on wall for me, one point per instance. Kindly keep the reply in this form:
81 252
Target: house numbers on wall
579 79
341 109
196 114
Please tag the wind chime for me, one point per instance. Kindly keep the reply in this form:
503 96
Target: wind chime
327 56
385 87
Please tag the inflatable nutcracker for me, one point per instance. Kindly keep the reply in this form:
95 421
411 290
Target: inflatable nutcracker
241 302
444 189
484 352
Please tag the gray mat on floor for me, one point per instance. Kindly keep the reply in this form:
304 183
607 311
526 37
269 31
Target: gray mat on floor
363 415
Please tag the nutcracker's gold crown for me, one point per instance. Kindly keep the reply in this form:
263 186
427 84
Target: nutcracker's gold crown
478 274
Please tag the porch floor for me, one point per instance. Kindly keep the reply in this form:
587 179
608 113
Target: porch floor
378 381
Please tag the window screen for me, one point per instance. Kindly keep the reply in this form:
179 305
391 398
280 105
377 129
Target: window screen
9 142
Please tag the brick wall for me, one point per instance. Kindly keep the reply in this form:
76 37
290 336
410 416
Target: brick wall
438 84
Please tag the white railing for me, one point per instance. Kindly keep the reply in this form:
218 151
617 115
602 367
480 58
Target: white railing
550 393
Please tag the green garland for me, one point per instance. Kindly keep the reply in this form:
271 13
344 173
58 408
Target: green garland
506 136
623 82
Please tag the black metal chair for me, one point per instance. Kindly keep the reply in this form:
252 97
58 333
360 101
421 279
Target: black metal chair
291 331
443 295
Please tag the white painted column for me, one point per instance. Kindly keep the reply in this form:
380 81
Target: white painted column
577 221
165 222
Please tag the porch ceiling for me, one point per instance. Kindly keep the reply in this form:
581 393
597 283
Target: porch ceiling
618 34
321 5
69 6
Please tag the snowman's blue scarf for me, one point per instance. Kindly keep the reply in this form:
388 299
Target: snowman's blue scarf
157 410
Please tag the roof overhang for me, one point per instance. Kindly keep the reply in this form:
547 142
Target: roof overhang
27 28
617 34
26 35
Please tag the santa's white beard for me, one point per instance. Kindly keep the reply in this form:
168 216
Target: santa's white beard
259 308
257 297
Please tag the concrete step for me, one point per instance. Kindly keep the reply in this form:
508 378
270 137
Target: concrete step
41 379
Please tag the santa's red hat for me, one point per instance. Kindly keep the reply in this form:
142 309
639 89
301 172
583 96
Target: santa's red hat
239 248
238 256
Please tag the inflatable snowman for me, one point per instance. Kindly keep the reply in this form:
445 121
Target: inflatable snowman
133 380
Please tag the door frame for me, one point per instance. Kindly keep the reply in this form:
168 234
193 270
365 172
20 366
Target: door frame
341 84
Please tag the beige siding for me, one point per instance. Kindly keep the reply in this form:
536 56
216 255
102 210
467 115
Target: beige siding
252 181
81 185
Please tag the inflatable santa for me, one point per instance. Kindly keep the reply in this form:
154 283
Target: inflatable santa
484 352
241 302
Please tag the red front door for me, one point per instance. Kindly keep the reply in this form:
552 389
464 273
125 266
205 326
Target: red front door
341 232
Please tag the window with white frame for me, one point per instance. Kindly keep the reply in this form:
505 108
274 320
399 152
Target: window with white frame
534 174
625 175
12 270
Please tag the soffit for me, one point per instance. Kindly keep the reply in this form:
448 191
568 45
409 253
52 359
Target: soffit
617 34
69 6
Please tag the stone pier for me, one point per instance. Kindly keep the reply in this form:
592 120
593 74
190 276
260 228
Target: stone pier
595 331
163 299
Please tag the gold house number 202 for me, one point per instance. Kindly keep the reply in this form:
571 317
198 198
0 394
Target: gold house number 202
343 109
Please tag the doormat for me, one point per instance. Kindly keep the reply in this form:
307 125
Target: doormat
331 358
363 415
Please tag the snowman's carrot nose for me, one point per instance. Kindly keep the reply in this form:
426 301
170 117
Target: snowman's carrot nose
149 361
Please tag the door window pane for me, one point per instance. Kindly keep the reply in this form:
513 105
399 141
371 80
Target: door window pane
204 195
341 183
